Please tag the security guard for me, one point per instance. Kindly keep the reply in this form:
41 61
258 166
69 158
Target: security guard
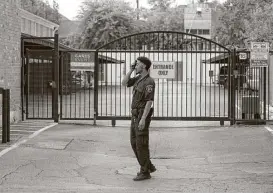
143 97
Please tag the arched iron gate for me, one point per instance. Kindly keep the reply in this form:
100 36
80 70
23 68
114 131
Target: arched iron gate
199 90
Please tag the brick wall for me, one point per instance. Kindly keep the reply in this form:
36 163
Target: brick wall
10 70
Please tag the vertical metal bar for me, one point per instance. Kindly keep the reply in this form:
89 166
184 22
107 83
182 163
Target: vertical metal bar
219 90
182 74
49 71
80 98
219 67
231 87
195 85
115 82
89 89
27 85
65 63
167 81
39 74
191 74
96 80
111 101
4 116
158 37
172 79
214 89
102 81
120 53
84 89
75 105
123 74
268 86
206 81
177 78
230 62
210 111
201 81
187 77
33 87
43 87
56 77
22 78
265 90
8 114
71 85
61 84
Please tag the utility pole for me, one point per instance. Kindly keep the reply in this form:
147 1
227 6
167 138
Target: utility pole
137 3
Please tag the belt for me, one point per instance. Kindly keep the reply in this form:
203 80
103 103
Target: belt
136 111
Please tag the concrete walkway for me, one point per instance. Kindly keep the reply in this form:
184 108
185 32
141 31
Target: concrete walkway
21 130
81 158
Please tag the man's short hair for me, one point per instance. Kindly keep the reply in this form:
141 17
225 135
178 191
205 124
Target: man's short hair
145 61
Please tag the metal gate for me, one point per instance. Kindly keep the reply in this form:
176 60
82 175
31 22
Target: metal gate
40 68
251 90
198 90
77 85
209 82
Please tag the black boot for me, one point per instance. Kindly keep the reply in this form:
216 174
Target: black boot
142 176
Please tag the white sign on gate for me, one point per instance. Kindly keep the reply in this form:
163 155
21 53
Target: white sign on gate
162 70
259 55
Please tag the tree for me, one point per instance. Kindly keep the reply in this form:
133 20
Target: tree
104 21
245 21
161 5
42 9
164 17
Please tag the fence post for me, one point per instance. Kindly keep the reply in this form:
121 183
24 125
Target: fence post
8 115
55 101
4 116
232 87
96 85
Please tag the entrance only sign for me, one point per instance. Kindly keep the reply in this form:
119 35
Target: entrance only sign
162 70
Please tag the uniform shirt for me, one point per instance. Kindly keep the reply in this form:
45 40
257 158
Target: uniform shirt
144 90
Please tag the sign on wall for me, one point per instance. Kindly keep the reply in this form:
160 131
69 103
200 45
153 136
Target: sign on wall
259 54
162 70
82 60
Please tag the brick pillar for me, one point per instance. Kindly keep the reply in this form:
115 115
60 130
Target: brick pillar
10 65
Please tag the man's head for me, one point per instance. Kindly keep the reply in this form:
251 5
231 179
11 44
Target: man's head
143 63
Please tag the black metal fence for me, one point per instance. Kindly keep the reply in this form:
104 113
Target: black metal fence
194 91
40 78
77 85
5 115
252 90
203 80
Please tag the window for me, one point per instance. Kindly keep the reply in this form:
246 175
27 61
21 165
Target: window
193 31
200 31
206 32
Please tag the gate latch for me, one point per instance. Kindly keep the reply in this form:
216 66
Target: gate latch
52 84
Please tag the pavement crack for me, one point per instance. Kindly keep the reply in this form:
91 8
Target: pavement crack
37 175
77 169
69 143
76 159
4 178
41 170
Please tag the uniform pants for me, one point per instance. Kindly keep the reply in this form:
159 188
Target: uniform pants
140 141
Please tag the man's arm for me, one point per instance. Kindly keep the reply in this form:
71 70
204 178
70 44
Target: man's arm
127 77
147 109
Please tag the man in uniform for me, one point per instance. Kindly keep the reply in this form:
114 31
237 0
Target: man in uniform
142 102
